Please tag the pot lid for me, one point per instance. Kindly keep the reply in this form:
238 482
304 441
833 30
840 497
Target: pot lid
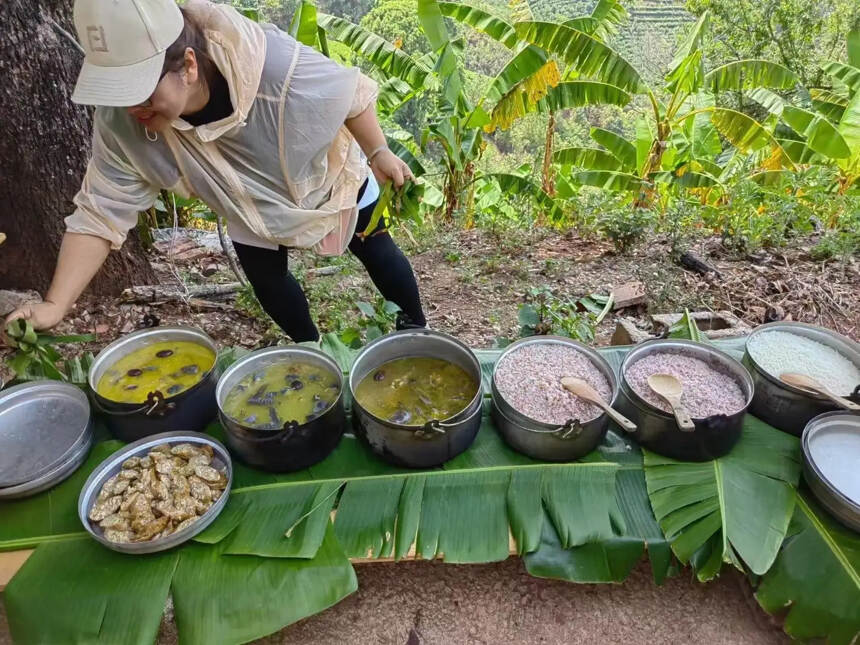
42 424
832 445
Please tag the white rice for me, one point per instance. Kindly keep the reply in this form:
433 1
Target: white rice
778 352
529 379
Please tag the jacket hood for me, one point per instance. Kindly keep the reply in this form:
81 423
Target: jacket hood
237 46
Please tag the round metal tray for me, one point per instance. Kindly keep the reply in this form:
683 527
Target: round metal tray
831 452
53 477
112 465
43 424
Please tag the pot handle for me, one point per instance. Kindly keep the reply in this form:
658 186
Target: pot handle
570 430
155 406
282 436
433 429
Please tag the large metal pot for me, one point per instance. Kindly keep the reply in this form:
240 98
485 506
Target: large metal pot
546 441
713 436
784 406
297 445
437 441
190 410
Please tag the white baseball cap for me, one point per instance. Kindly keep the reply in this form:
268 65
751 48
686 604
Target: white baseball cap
124 43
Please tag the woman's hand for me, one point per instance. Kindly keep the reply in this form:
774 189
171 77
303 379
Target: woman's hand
387 166
43 315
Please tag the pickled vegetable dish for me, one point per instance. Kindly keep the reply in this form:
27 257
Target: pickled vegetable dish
413 391
169 367
279 393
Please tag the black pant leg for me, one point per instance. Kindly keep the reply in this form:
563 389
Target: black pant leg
279 293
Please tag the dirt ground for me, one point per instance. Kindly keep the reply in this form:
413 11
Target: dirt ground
421 603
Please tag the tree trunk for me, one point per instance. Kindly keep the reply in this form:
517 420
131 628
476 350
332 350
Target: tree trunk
547 175
44 147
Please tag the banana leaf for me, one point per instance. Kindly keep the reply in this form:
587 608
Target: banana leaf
304 23
590 57
516 185
816 578
736 508
849 75
770 101
691 43
852 45
849 128
574 94
821 135
480 20
828 103
685 178
623 150
589 158
608 180
238 598
377 50
748 135
79 592
742 75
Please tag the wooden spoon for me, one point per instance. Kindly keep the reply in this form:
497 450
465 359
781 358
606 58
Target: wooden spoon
808 383
670 389
583 390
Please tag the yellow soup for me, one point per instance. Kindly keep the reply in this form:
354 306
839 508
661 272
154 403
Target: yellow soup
283 392
169 367
413 391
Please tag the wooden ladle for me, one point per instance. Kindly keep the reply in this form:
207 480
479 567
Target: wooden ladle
583 390
808 383
670 389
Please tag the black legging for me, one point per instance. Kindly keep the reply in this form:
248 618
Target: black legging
284 300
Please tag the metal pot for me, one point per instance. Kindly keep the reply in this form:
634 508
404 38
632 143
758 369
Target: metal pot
547 441
437 441
784 406
713 436
830 444
297 445
190 410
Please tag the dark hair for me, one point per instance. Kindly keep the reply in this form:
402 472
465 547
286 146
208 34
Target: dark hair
191 36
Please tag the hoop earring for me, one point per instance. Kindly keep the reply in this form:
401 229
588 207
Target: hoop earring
152 138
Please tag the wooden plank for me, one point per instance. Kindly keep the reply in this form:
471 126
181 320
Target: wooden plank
10 562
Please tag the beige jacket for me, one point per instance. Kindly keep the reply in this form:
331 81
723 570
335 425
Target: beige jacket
283 167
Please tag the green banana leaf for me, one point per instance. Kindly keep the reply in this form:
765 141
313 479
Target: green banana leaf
377 50
483 21
590 57
747 135
821 135
622 149
828 103
588 158
747 74
852 45
734 509
406 155
304 23
771 101
515 184
608 180
849 128
849 75
816 577
574 94
685 178
79 592
773 178
691 43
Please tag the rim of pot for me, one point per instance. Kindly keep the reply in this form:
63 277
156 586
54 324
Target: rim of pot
822 336
593 356
746 383
417 332
101 363
289 352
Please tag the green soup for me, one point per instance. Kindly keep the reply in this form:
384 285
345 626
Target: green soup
168 367
413 391
280 393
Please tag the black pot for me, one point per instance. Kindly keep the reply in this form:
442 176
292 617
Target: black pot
297 445
435 442
191 410
713 436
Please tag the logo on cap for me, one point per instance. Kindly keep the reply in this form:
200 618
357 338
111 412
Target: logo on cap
96 37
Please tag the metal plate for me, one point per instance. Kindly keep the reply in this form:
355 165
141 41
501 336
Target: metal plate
831 452
42 424
52 478
112 465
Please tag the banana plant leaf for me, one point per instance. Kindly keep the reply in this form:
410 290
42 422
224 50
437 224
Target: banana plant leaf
849 75
377 50
238 598
304 23
691 43
821 135
771 101
91 594
747 74
828 103
816 577
608 180
588 158
736 508
623 150
748 135
574 94
483 21
515 184
849 128
685 178
590 57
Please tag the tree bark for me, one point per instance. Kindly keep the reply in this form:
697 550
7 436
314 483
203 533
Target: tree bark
44 148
